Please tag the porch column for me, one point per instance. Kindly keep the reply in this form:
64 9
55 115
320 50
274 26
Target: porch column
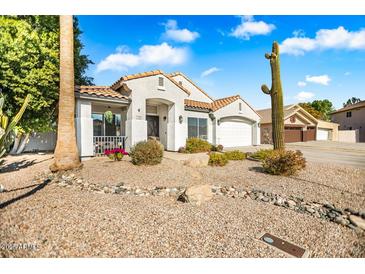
84 128
136 123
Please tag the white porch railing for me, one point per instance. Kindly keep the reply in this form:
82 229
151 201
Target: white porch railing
101 143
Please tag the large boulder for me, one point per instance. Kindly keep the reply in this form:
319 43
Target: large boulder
197 194
196 162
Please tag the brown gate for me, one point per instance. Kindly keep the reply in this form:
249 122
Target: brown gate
293 134
311 133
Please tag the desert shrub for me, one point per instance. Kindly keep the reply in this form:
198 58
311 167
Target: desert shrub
235 155
213 148
219 148
195 145
147 153
182 150
217 159
261 154
284 162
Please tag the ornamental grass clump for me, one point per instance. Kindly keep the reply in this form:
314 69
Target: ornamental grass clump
235 155
217 159
196 145
147 153
261 154
284 162
115 154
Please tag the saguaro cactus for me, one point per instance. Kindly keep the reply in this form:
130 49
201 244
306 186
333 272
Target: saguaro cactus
276 93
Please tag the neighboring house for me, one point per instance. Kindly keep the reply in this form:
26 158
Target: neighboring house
299 126
351 117
169 107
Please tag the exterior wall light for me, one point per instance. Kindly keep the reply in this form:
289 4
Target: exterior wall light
180 119
219 122
164 118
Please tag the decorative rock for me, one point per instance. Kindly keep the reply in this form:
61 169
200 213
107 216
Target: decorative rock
291 203
357 221
265 199
197 194
2 189
309 209
196 162
341 220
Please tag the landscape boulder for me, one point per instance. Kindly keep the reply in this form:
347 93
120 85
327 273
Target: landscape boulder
196 194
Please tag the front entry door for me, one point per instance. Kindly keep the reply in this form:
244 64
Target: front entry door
152 126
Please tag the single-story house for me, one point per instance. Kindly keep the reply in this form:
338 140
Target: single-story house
351 117
299 126
169 107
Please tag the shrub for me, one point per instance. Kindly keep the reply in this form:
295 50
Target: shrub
195 145
261 154
217 159
219 148
147 153
235 155
281 162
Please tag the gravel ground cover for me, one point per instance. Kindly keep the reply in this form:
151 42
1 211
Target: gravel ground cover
66 222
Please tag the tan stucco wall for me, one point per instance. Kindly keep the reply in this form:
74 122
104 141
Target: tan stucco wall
356 121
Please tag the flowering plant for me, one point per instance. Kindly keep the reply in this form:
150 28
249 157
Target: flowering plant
115 154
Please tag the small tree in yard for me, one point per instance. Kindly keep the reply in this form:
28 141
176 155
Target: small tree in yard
276 93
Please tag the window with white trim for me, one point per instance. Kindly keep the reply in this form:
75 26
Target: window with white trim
198 127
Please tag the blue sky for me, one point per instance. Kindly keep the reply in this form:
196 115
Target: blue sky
323 57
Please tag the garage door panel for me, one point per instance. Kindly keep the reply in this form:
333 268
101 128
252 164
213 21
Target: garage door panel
292 134
235 133
323 134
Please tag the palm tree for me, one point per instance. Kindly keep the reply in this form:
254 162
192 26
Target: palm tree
66 155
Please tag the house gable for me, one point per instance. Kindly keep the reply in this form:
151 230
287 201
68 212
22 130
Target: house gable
196 93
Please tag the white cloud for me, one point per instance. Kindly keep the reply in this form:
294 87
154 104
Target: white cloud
347 73
249 27
162 54
209 71
172 32
301 84
320 79
339 38
304 95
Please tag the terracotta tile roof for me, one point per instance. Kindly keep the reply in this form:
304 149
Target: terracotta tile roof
215 105
178 73
197 104
349 107
103 91
148 74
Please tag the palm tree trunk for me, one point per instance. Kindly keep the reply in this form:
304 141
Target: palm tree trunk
66 155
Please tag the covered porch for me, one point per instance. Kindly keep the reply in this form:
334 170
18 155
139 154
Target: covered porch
94 132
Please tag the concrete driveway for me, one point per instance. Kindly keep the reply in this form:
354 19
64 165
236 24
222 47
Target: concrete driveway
349 154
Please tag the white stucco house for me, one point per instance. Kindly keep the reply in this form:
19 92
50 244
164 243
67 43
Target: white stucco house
169 107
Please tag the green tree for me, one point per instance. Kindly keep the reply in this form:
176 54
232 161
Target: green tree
351 101
325 107
308 107
29 64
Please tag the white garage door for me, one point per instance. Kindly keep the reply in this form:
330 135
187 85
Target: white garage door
235 133
323 134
